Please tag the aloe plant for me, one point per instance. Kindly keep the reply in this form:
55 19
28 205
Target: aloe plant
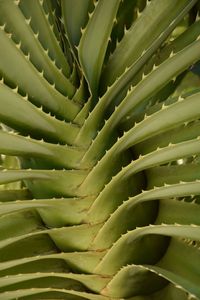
99 144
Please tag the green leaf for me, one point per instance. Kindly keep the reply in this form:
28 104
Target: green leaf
21 31
54 212
79 237
144 212
28 119
179 134
81 261
92 282
68 294
167 118
155 158
142 34
75 15
98 29
40 23
145 89
12 195
41 91
148 239
44 183
173 174
54 155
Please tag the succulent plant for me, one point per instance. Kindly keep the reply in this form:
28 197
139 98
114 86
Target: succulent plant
99 145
